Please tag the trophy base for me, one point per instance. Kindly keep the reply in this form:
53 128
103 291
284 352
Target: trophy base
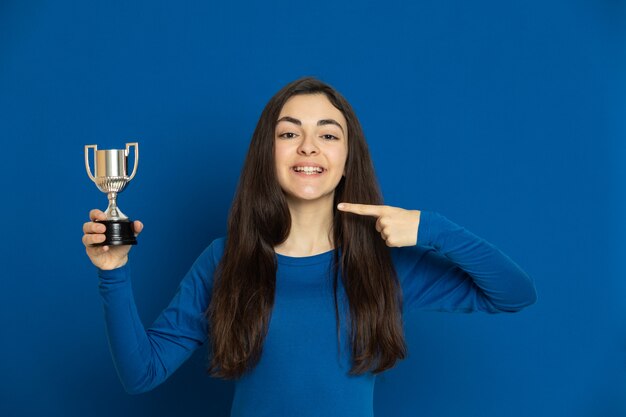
118 232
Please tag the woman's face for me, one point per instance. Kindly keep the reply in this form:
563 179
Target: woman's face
311 136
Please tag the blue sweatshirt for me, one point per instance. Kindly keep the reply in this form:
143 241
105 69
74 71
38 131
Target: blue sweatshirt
300 371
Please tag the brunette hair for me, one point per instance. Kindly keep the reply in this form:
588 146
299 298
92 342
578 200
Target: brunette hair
259 219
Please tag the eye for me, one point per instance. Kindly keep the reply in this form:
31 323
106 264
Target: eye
330 137
287 135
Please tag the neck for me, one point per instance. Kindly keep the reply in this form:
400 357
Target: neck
311 228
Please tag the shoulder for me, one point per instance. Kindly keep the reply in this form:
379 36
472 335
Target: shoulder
203 268
215 250
212 254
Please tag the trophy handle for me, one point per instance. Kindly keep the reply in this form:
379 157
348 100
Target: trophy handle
136 145
95 148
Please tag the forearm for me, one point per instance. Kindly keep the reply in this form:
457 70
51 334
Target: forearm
130 346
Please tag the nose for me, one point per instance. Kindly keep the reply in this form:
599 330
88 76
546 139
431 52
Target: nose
308 146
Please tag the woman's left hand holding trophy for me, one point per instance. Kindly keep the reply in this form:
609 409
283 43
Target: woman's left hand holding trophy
105 257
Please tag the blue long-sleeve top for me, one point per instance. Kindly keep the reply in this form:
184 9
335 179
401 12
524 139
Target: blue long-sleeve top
300 372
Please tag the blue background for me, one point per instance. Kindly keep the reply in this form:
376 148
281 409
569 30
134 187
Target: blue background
509 118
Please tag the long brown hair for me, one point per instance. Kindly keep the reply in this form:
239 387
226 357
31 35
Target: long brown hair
259 219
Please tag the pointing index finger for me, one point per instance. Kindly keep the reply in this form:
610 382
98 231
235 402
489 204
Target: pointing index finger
363 209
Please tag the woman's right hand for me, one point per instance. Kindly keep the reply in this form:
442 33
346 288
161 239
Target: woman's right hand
105 257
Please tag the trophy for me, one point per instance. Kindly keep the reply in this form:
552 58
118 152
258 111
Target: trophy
111 177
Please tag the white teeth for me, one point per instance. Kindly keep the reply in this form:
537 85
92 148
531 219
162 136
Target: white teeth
308 170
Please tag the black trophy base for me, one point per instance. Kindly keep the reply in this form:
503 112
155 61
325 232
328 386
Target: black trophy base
119 232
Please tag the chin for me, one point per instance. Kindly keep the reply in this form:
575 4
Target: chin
309 197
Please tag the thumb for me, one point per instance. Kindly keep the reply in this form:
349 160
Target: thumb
138 227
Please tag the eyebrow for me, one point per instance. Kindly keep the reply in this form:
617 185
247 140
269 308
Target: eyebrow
319 122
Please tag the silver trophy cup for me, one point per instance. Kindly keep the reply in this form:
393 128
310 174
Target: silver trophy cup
110 166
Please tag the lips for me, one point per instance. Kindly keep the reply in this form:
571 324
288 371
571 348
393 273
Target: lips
308 164
307 173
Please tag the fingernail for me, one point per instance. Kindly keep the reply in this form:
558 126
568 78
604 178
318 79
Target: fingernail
341 205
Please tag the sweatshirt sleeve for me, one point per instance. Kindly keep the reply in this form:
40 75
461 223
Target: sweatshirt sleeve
145 358
451 269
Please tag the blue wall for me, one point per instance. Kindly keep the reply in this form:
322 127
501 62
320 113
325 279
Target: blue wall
507 117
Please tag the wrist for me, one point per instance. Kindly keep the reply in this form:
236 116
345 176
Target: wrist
118 265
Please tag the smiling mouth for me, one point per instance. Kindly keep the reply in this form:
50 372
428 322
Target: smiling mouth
308 171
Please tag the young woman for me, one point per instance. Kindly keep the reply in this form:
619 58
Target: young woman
302 301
